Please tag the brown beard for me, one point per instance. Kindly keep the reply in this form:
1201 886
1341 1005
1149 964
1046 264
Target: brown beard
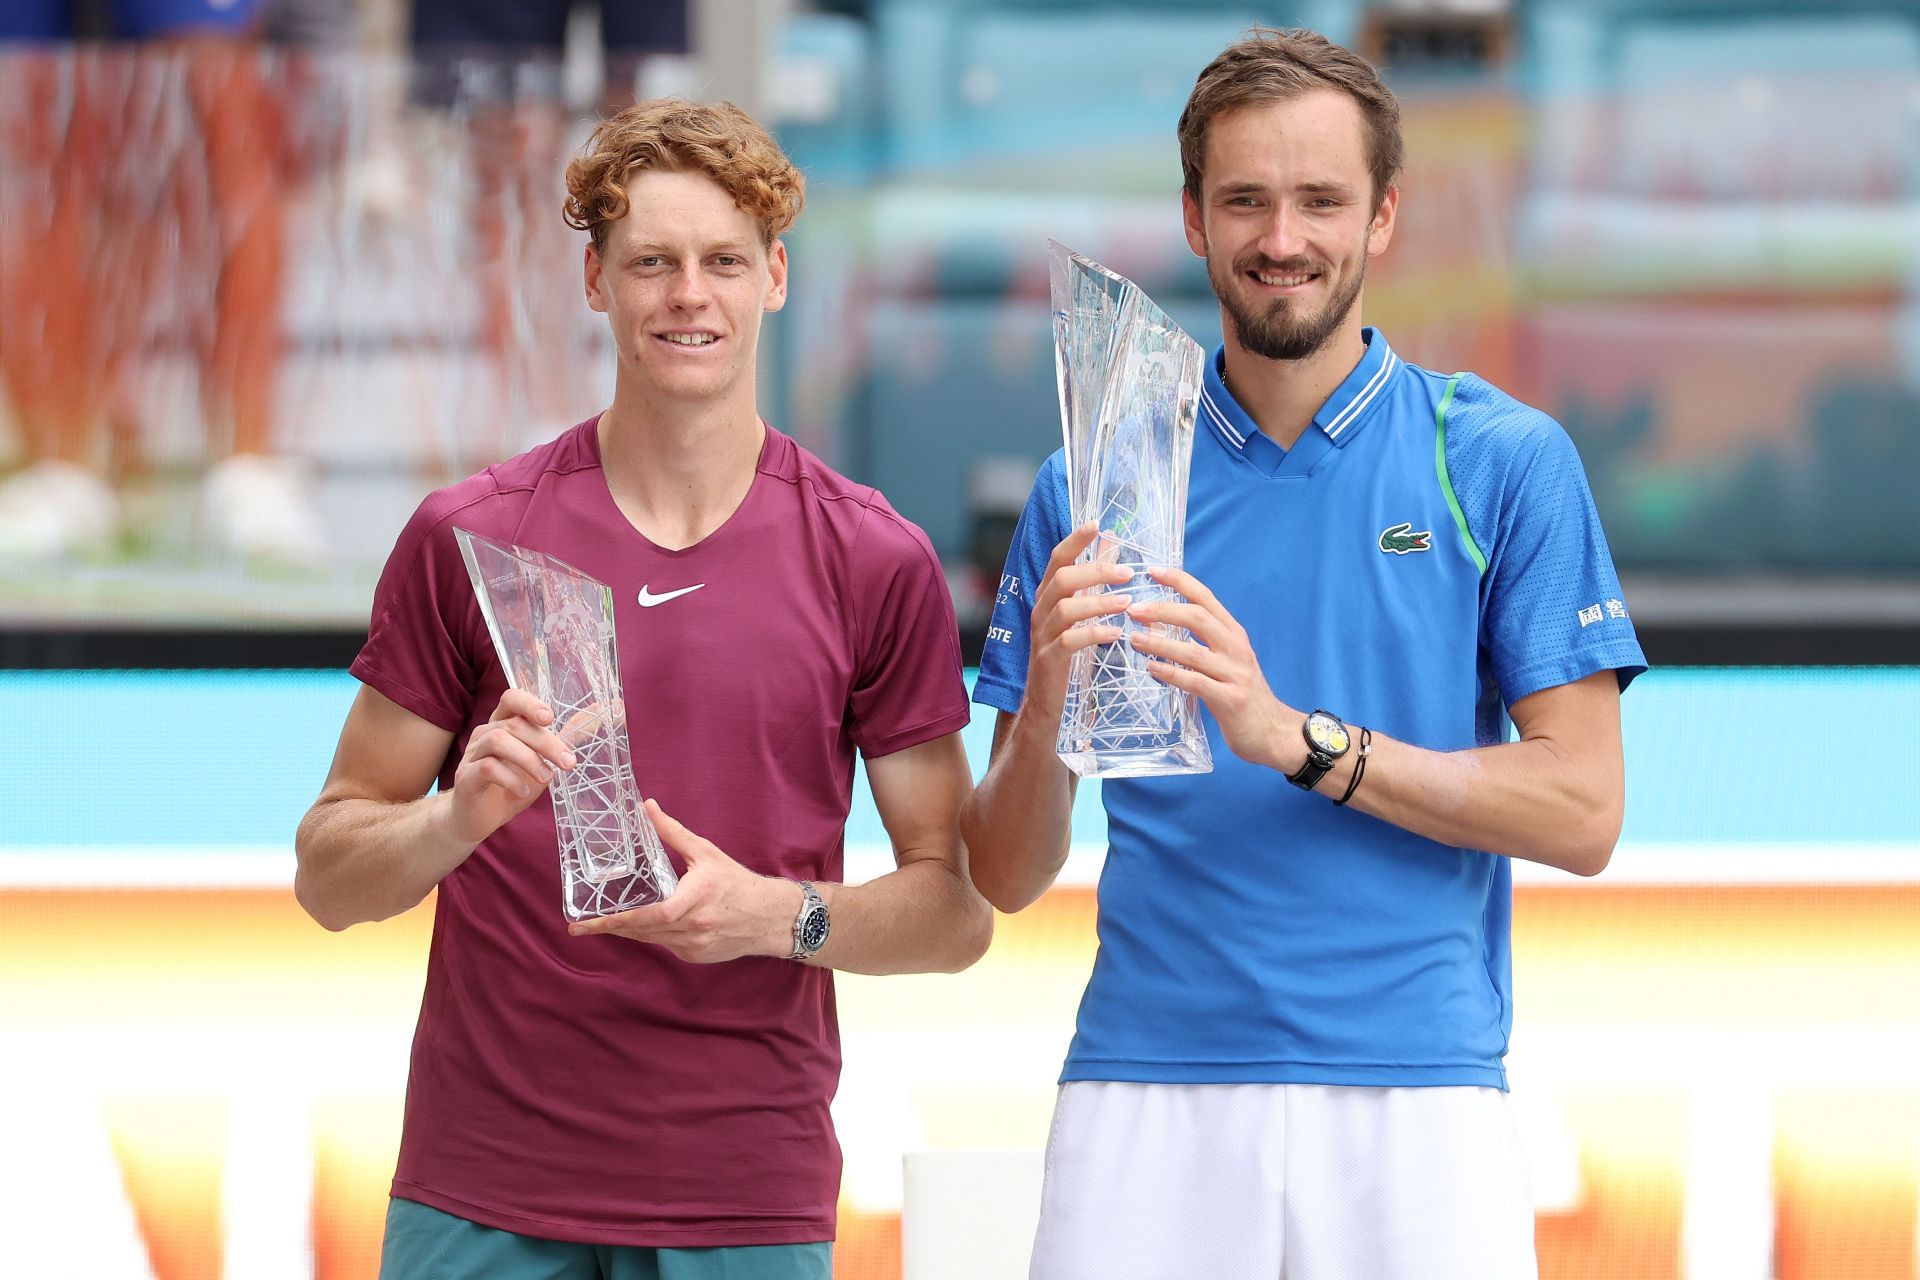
1281 331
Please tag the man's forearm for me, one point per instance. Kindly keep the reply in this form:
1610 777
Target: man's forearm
1530 799
920 918
364 859
1019 822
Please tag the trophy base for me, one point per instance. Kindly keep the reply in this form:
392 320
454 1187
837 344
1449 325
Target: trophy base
584 899
601 870
1158 760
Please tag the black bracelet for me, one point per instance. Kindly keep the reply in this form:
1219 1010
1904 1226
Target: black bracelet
1359 766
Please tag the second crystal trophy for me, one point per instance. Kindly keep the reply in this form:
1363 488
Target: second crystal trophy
552 627
1130 383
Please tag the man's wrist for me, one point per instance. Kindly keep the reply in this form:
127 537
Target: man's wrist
1036 728
787 898
1287 752
812 923
440 825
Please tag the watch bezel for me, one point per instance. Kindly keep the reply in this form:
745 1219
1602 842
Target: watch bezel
1328 724
1320 758
813 929
813 925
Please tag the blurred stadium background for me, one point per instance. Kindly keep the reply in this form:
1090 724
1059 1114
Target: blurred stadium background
259 293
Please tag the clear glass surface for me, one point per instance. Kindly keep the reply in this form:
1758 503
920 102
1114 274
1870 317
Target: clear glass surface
552 627
1130 382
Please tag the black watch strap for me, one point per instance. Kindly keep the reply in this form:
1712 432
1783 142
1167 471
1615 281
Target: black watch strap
1317 766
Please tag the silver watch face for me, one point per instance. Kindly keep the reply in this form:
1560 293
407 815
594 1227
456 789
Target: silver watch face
1327 734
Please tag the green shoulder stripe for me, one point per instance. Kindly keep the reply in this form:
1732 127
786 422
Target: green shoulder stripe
1446 481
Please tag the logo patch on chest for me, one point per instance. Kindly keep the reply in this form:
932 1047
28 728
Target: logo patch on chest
649 600
1400 539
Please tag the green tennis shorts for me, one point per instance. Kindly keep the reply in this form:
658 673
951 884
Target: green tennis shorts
423 1243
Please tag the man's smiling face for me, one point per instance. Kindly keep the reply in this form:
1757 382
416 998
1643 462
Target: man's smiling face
684 279
1287 219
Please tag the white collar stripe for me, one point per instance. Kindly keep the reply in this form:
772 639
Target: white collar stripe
1347 416
1220 419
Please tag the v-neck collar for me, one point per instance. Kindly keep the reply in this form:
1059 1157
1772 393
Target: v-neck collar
1342 417
770 441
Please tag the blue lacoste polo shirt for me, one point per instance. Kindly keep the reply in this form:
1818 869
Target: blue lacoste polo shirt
1426 554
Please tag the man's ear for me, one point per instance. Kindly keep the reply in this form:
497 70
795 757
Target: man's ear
596 294
777 268
1380 230
1196 228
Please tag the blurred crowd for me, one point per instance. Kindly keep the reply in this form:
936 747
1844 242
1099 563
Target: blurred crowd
155 154
271 269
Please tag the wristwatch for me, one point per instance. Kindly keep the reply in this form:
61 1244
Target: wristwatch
1327 740
811 926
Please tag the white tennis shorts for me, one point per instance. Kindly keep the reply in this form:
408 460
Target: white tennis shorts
1283 1182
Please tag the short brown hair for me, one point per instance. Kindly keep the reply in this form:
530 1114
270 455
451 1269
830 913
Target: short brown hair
676 136
1273 65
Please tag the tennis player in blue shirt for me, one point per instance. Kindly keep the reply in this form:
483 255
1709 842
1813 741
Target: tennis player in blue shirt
1289 1057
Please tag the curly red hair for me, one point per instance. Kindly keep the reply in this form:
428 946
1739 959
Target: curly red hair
677 136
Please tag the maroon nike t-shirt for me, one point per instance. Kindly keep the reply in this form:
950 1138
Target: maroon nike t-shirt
599 1089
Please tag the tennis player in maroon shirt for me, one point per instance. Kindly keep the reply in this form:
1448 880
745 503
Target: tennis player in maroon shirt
645 1095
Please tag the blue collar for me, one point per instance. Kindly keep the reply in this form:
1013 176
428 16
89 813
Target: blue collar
1352 404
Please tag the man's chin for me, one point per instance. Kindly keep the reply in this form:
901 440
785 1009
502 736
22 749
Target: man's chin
688 385
1296 342
1284 334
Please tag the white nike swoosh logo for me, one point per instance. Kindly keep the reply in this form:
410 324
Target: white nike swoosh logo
648 600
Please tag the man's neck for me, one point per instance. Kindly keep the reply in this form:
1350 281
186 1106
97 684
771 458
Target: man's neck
1281 396
678 471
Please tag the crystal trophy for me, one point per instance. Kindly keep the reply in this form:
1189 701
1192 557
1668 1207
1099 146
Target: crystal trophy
552 627
1130 382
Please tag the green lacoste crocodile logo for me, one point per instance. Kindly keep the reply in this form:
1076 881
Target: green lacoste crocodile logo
1401 539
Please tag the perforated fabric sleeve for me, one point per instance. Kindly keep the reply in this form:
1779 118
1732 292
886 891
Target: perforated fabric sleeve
1551 607
1044 522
